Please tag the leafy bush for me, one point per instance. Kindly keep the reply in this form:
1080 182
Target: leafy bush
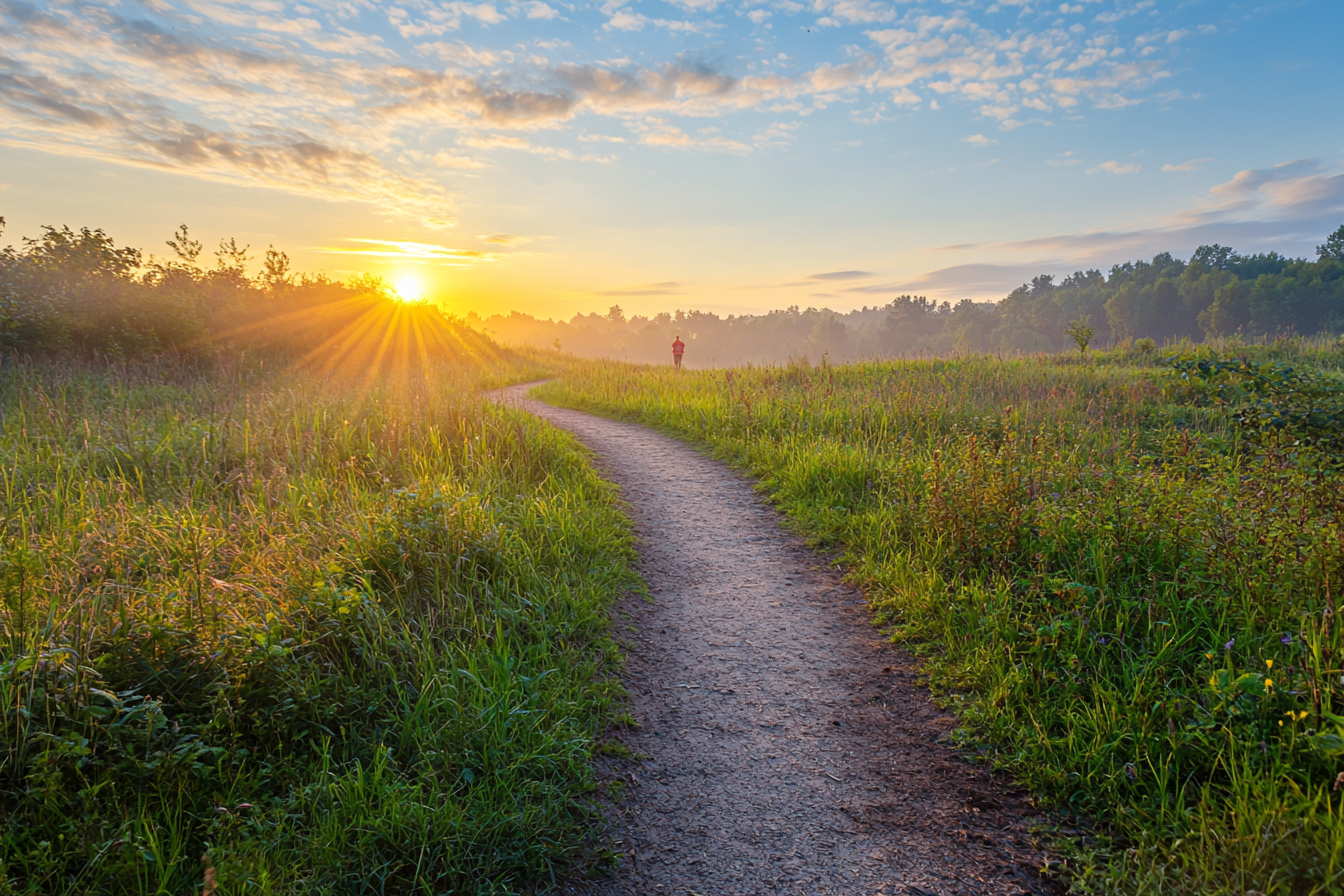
1268 398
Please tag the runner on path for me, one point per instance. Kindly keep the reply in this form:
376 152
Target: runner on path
678 349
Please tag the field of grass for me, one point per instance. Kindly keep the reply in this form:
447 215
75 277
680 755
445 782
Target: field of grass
265 632
1128 597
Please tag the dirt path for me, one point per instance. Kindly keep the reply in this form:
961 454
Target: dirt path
787 747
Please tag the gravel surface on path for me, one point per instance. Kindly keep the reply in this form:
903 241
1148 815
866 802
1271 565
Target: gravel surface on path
784 746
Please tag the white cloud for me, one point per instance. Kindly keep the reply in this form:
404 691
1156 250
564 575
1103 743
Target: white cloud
625 20
1296 189
1186 166
1114 167
520 144
978 140
447 160
538 10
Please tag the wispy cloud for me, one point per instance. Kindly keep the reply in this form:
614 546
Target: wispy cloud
1288 207
666 288
842 275
975 281
405 250
1114 167
1191 165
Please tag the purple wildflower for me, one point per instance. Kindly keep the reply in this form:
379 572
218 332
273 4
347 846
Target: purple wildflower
1228 645
1286 639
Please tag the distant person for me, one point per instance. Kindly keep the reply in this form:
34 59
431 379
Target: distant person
678 349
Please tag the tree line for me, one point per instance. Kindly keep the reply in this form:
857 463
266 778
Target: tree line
77 292
1216 293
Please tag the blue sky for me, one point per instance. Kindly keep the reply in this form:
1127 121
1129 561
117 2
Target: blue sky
557 157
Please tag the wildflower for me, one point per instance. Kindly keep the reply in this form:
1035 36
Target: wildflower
1286 639
1209 655
1269 664
1228 645
1269 682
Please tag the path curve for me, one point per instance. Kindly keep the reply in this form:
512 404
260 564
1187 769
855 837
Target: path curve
785 746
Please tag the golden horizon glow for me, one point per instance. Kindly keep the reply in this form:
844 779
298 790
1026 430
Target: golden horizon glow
432 252
408 287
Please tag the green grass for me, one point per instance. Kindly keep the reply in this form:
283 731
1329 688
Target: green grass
285 635
1129 602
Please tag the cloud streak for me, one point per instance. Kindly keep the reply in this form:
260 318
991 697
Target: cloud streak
1288 207
405 250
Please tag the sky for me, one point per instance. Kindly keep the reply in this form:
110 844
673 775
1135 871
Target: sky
554 158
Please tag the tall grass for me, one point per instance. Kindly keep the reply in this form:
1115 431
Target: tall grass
266 632
1129 602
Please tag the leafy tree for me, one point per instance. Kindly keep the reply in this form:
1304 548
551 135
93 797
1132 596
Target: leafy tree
275 269
184 246
230 257
1081 332
1333 248
1216 257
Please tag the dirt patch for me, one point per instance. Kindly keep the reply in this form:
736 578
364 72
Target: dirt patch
785 746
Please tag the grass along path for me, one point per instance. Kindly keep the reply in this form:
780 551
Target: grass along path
264 633
788 747
1127 600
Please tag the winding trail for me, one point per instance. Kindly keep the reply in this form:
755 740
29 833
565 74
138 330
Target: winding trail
785 746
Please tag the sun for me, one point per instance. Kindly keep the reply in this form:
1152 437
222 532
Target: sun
408 287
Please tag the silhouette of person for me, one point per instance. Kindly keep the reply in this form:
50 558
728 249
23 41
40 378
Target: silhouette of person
678 349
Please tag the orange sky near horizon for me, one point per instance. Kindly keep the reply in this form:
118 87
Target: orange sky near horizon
734 157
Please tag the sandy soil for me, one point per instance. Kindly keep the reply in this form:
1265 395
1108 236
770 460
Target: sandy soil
784 745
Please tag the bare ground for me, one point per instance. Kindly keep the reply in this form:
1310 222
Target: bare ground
784 745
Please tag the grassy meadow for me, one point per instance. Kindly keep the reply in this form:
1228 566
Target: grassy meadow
1122 578
285 608
263 634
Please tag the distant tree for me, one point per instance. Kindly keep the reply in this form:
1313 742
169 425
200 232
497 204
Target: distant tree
69 255
615 315
1215 256
1042 285
184 246
1333 248
1081 332
229 257
274 269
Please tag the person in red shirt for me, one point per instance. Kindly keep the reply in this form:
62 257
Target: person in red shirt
678 349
